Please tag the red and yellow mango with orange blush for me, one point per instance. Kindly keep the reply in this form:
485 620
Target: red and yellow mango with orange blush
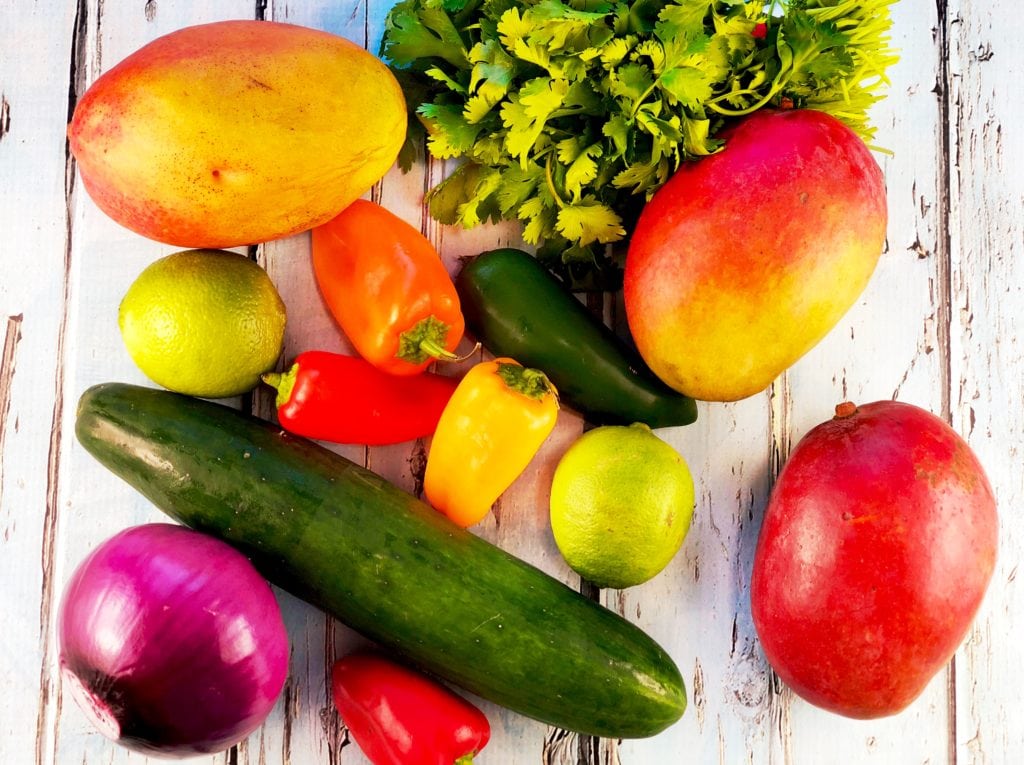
744 260
237 132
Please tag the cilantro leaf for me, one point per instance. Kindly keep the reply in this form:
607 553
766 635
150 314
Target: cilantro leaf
637 177
526 112
582 170
493 69
687 85
563 28
618 129
480 205
513 29
414 33
448 132
589 221
566 115
631 83
436 73
616 50
540 216
445 198
682 20
517 185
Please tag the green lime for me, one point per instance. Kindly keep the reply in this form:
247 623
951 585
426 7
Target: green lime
621 504
203 322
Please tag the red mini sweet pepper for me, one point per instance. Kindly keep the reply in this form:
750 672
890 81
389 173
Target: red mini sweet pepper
347 400
399 716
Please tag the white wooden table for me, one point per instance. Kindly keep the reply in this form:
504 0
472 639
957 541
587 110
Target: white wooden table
939 326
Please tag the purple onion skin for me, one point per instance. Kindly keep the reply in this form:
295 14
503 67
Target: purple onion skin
171 642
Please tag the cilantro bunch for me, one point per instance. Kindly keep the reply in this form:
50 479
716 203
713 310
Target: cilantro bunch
569 114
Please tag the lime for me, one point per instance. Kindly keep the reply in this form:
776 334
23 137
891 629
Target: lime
203 322
621 504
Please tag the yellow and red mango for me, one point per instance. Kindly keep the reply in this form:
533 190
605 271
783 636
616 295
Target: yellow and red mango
237 132
744 260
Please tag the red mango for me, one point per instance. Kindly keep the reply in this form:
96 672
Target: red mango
877 547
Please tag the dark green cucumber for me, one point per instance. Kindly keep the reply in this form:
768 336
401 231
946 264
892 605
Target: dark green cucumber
516 307
385 563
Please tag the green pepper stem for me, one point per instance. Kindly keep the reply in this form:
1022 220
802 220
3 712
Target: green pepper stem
531 383
426 340
466 759
441 353
283 383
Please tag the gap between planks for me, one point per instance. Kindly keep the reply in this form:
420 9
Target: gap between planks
48 715
944 289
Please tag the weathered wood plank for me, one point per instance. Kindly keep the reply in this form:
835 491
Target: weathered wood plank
306 728
888 347
937 327
986 154
105 259
696 607
38 52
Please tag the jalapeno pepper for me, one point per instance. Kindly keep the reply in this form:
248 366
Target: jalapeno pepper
493 425
398 716
517 308
347 400
387 288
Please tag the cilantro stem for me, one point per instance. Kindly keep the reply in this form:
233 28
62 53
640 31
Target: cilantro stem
550 178
781 80
468 10
713 103
643 97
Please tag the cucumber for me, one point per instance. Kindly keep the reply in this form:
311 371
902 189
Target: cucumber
386 564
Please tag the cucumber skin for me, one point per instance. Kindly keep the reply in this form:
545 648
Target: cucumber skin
386 564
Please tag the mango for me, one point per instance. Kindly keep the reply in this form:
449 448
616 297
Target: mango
236 132
744 260
877 548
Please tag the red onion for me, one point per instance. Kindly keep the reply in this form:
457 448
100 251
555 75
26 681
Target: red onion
171 642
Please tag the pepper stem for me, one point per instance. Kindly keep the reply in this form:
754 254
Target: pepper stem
531 383
466 759
283 383
425 340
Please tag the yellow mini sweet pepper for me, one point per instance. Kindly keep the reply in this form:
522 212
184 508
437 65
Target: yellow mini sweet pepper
493 425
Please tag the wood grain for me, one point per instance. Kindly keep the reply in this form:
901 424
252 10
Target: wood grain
889 346
986 152
33 206
105 258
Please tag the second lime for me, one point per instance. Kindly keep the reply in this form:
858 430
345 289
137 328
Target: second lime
621 504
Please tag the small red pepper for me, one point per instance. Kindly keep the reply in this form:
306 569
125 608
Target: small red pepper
399 716
347 400
760 31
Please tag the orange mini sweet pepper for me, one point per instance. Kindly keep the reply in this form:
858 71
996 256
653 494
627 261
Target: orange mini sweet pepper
387 288
493 425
